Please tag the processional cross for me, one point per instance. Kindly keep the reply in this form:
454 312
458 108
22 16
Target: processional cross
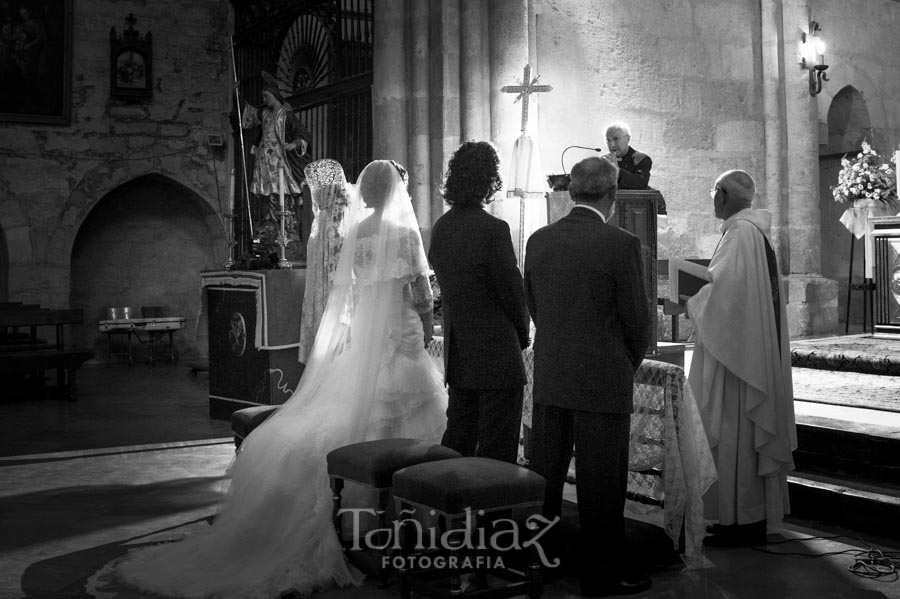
525 151
525 89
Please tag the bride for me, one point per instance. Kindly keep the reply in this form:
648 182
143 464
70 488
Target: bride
368 377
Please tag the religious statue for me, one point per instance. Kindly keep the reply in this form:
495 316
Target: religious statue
281 152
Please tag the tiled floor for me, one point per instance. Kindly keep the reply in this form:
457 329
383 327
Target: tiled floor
136 457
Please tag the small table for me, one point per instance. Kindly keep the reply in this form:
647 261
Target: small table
119 326
155 329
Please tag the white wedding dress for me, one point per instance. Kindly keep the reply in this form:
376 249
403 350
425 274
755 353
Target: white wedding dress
368 377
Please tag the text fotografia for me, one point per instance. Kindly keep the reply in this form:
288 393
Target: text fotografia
440 562
503 536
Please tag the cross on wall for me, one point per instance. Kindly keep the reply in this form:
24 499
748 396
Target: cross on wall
525 89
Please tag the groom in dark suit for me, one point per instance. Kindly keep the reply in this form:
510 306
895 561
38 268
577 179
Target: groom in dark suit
585 291
486 324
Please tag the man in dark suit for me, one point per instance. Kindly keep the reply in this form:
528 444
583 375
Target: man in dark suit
634 166
486 323
585 291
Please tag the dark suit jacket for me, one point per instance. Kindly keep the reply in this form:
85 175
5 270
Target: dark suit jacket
585 290
486 322
634 170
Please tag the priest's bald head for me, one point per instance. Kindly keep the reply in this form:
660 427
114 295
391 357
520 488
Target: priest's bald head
733 192
594 181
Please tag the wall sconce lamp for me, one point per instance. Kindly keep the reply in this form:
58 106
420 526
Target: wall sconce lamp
812 57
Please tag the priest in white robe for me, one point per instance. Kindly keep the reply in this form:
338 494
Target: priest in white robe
741 371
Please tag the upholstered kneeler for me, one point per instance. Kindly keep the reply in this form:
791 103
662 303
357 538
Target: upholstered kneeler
245 420
372 464
485 496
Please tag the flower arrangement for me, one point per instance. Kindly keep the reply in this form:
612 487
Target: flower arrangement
867 178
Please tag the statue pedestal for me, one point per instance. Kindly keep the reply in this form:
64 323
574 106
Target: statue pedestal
254 331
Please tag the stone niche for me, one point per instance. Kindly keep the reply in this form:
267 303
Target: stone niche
144 244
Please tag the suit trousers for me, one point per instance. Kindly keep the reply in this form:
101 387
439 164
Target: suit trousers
601 448
485 423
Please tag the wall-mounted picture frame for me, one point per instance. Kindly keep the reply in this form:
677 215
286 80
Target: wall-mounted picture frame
130 62
36 61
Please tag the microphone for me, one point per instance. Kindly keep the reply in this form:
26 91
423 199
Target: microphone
562 157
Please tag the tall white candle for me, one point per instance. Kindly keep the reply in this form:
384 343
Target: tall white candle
231 193
897 167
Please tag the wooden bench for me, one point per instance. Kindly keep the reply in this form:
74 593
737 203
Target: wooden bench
29 355
12 336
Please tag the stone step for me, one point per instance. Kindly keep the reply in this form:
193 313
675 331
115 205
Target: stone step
869 508
851 450
851 389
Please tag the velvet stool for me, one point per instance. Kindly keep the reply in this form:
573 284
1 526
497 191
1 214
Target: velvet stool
243 421
372 464
486 521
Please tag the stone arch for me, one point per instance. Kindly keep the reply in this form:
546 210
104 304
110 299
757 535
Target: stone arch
849 122
859 84
99 182
144 243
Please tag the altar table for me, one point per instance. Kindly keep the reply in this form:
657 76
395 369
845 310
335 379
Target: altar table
667 440
253 320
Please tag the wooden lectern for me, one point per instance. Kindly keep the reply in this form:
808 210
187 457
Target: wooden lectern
254 331
636 213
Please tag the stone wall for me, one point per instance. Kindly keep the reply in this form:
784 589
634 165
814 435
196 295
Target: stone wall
686 77
681 74
697 83
53 177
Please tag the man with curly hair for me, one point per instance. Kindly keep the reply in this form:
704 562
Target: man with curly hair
486 323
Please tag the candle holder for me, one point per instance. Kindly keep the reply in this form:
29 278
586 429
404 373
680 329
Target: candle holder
282 240
229 241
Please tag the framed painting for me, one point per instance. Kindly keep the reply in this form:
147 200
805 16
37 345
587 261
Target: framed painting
36 61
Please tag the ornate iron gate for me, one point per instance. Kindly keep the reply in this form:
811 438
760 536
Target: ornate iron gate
320 51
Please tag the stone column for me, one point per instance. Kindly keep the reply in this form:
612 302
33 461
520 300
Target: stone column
773 65
508 56
445 95
419 132
803 149
812 307
389 85
474 81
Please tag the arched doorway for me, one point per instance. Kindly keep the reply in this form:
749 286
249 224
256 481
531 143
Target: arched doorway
848 125
144 244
